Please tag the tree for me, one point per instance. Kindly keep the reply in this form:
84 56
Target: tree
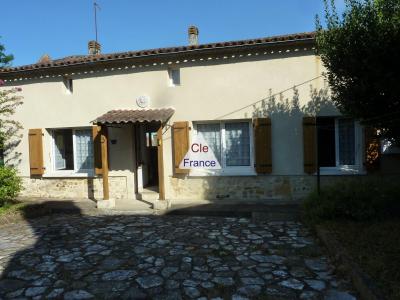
9 129
361 52
4 58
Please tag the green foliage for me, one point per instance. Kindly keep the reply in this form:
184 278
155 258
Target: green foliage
361 51
10 184
9 129
10 136
4 58
355 199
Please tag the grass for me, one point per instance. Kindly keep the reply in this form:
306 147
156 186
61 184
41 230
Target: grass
11 208
375 247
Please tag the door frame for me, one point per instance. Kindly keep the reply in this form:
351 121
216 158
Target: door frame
160 162
160 158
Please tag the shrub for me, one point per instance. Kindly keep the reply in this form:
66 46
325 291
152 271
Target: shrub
10 184
355 199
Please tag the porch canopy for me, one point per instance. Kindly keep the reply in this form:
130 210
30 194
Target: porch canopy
127 116
135 115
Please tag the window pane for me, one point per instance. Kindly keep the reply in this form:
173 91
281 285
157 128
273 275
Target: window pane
326 142
346 142
237 139
175 76
84 150
212 135
63 149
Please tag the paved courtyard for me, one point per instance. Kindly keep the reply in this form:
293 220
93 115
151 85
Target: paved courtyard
163 257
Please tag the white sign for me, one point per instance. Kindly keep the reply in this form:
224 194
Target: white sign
199 156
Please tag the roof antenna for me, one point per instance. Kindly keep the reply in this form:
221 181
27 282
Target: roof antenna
95 7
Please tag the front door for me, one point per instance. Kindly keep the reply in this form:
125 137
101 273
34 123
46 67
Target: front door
152 158
148 149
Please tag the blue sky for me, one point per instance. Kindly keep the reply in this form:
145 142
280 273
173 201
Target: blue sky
31 28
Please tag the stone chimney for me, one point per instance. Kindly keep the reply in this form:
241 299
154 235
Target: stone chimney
44 59
94 48
193 32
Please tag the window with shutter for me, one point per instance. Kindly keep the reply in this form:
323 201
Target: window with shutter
72 151
181 144
262 145
232 144
36 152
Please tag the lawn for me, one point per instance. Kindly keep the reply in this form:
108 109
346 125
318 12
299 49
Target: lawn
11 207
375 247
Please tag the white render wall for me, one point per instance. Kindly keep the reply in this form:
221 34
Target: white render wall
209 90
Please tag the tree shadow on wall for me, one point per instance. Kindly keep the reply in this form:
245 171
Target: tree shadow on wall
286 114
11 156
277 106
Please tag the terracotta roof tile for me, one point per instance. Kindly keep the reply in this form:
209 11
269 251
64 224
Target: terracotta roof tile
135 115
84 59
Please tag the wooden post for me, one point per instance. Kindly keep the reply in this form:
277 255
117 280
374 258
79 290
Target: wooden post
104 162
160 160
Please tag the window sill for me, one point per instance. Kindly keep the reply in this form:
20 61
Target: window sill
69 175
342 170
223 172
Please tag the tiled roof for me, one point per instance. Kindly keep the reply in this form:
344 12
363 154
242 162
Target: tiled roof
90 59
135 115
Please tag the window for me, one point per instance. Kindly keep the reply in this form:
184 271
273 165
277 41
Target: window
338 144
231 143
72 151
68 85
174 77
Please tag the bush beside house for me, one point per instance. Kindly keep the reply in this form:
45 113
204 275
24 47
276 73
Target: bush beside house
10 185
364 217
355 200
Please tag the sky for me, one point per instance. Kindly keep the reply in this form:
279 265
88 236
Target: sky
59 28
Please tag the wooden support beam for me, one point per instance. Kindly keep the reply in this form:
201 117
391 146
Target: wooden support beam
161 188
104 161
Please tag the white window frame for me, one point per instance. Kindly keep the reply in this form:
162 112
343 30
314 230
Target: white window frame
67 173
357 168
227 170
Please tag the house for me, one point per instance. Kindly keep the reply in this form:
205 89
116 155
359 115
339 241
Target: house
115 126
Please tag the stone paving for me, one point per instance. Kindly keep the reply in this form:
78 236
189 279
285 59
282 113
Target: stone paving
163 257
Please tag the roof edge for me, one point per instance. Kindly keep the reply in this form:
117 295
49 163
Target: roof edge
159 52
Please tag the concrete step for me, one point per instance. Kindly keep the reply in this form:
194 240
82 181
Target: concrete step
149 196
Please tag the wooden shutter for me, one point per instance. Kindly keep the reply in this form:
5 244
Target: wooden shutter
309 143
262 145
36 152
372 149
181 144
96 133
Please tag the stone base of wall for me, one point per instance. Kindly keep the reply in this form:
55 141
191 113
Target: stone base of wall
75 188
241 187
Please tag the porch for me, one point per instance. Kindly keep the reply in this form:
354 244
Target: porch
142 154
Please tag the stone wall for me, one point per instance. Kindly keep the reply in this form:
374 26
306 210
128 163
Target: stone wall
75 188
240 187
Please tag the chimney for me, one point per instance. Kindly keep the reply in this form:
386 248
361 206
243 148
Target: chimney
94 48
193 32
45 59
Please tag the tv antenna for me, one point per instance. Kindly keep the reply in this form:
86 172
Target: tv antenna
95 7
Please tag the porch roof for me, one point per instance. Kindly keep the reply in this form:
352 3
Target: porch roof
135 115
